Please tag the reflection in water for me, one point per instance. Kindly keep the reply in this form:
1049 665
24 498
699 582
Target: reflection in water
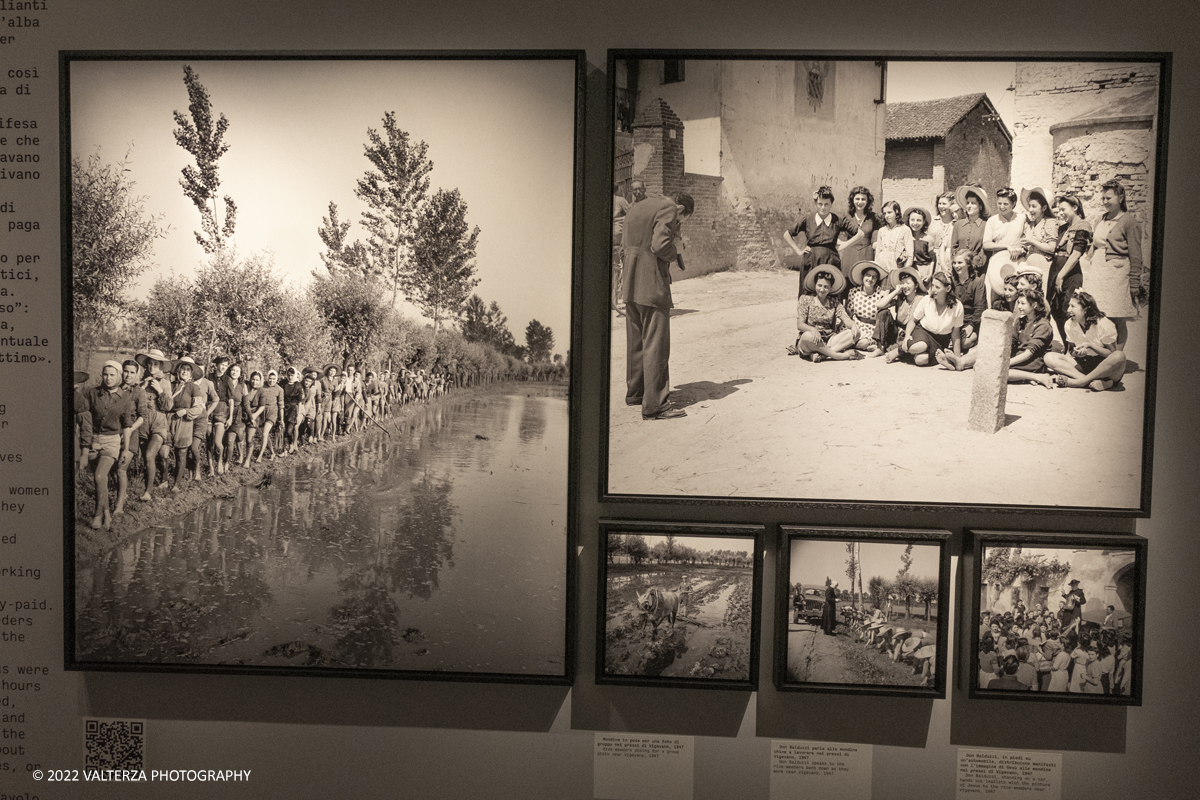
440 548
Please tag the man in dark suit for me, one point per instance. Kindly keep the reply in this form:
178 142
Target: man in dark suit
651 231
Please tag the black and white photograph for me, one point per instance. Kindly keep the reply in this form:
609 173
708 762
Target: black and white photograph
321 315
679 605
863 611
1059 620
891 280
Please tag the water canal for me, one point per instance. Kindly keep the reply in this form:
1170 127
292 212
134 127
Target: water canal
440 547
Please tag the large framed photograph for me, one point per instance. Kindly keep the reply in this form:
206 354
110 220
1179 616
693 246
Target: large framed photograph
322 407
679 604
1057 617
862 611
885 279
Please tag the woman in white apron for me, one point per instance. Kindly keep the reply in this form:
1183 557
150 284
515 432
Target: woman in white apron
1112 268
1001 239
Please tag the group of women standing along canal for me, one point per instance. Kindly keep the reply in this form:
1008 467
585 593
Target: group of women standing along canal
151 409
919 283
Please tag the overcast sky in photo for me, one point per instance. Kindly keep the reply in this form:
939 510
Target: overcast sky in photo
815 560
908 81
501 132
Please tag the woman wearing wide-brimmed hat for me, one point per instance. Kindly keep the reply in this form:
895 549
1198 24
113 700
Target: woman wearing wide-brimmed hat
864 303
329 402
906 290
155 434
968 231
826 330
188 399
1002 237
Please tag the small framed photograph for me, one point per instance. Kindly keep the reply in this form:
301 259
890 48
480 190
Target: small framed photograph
1057 617
783 222
679 605
862 611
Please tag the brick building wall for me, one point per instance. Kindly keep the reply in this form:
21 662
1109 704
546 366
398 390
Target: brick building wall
914 173
977 151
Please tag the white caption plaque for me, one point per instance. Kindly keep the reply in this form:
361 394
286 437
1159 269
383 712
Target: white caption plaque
1009 775
817 769
643 767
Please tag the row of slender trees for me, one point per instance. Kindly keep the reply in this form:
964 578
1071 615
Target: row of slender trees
418 244
636 550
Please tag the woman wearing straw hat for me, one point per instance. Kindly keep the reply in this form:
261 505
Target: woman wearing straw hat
892 320
188 399
1001 237
1112 268
826 330
864 303
968 231
330 403
1074 239
155 433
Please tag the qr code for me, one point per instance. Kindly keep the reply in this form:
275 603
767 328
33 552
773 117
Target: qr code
114 744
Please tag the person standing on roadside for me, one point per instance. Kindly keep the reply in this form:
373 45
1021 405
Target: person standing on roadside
650 246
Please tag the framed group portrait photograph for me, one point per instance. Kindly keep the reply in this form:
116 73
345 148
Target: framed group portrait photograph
322 410
885 279
1057 617
679 604
862 611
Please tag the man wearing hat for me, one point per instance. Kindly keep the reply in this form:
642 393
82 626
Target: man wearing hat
829 613
156 431
650 246
105 426
1073 610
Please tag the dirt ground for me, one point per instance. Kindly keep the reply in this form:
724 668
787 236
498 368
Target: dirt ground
762 424
814 657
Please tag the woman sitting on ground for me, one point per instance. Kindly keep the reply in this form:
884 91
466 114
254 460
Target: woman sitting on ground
1032 340
936 324
864 303
826 330
893 319
1007 301
1092 360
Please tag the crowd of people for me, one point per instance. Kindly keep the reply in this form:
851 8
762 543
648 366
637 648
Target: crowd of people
1044 650
173 420
918 283
900 644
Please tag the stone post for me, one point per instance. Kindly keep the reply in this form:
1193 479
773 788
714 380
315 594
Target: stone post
990 387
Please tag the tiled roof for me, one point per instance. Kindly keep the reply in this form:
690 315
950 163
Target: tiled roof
929 119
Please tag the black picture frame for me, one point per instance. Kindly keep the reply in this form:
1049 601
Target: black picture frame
636 463
561 632
863 645
622 623
1111 566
